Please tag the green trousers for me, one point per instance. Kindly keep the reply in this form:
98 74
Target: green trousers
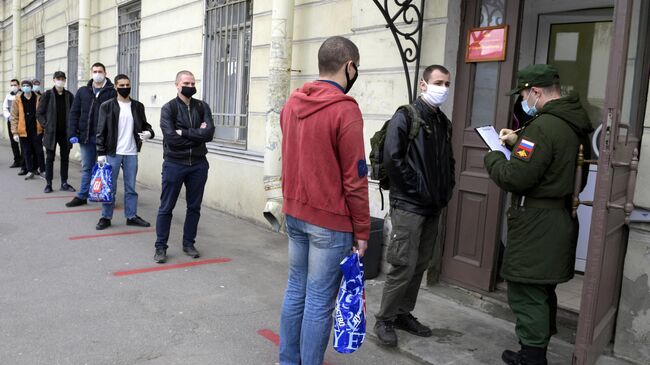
409 252
535 306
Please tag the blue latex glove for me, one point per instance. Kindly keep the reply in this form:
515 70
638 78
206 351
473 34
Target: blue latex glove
74 140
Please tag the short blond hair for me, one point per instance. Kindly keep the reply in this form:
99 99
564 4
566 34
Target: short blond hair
181 73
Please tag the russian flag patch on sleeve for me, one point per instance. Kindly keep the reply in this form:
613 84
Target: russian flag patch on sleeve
524 150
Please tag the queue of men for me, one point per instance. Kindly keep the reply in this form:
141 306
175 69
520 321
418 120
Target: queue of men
325 185
110 127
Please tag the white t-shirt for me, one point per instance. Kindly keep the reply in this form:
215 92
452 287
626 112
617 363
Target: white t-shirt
125 140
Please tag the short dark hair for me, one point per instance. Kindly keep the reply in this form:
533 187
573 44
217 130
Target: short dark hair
15 80
429 70
552 89
120 77
98 64
335 52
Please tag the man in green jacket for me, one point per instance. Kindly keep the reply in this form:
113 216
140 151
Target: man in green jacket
542 235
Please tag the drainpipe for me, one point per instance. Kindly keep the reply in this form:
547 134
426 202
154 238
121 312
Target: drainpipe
83 64
17 46
279 84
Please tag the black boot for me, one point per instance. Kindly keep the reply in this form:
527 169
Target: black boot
511 358
533 355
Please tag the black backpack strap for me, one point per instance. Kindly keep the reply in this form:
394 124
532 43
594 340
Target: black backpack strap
414 119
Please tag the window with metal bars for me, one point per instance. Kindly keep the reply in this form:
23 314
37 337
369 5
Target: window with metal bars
226 68
73 54
128 58
40 60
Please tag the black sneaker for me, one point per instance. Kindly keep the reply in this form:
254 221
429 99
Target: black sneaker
22 172
67 187
160 256
137 221
385 331
103 223
48 189
15 164
191 251
29 176
75 202
411 325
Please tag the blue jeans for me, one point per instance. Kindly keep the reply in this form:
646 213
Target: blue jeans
314 278
129 164
88 158
174 176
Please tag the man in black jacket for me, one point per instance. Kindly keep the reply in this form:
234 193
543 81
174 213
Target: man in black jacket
52 113
421 174
186 125
82 126
121 128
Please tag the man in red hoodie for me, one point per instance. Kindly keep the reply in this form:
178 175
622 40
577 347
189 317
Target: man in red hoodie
325 187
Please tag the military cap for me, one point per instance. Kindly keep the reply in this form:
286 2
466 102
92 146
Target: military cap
535 75
59 74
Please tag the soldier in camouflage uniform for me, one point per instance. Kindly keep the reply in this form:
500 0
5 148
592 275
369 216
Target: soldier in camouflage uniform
542 234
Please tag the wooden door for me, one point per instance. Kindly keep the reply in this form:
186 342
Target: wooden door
625 100
472 227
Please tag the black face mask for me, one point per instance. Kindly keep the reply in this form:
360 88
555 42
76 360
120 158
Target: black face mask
124 91
352 80
188 91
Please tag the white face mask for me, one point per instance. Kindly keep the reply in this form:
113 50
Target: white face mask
435 94
14 89
59 83
98 77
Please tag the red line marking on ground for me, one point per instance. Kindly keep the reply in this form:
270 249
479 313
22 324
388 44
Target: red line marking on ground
270 335
219 260
78 211
51 197
274 337
123 233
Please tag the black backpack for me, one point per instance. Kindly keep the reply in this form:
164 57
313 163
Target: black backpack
377 170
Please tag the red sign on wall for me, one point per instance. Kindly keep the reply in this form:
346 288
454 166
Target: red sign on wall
486 44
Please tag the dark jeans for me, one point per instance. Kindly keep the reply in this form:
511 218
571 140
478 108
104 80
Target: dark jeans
535 306
409 252
32 147
174 176
14 145
64 151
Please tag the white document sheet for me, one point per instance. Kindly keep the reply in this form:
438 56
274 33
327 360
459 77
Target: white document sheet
491 138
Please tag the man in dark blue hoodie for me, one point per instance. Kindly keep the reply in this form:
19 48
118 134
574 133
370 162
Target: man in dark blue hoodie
82 126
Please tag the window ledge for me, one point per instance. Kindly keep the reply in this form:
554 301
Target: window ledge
234 153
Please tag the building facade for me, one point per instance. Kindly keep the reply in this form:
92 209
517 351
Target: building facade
600 46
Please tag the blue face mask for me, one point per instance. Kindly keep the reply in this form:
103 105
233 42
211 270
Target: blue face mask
26 89
527 109
37 87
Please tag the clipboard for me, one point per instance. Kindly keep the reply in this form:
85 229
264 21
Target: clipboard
491 139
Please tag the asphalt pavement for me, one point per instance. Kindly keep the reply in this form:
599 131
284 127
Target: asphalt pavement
74 295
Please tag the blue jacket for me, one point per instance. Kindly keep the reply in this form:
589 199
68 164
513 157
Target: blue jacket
82 122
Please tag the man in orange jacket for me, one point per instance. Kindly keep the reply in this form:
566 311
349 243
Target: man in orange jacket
26 129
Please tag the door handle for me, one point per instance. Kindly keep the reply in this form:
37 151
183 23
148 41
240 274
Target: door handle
577 186
628 207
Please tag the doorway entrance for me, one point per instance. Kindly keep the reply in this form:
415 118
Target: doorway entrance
602 50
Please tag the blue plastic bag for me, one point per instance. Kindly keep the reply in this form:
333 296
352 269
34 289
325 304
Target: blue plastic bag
350 312
101 184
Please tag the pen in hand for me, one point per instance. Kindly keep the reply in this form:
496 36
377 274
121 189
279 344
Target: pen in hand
508 136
